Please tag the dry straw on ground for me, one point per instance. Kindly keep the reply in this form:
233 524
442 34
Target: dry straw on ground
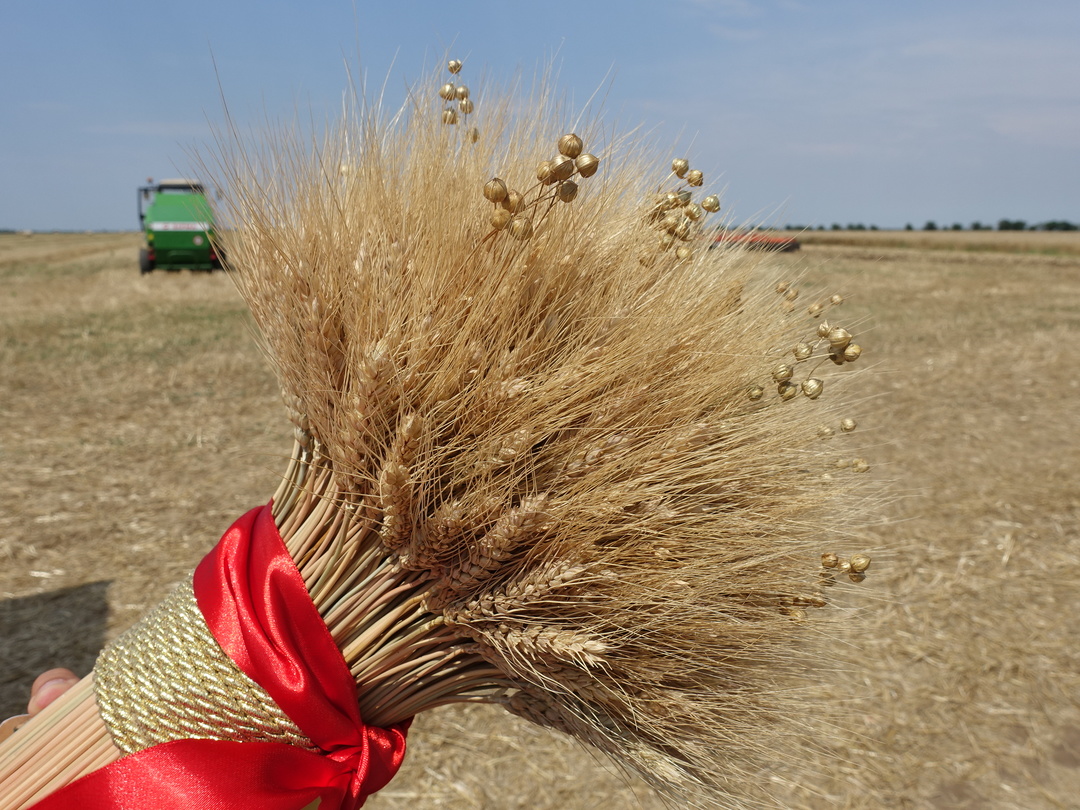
568 461
961 684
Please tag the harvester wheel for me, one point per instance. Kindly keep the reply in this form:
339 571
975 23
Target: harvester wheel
146 264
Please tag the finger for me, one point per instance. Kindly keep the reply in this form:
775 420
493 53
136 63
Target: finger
48 686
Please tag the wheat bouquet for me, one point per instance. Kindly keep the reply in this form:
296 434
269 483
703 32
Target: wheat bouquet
552 452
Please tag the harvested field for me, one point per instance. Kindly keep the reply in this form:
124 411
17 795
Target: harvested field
1065 243
139 420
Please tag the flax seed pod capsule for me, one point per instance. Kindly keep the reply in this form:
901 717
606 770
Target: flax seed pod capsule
447 92
454 65
848 425
461 92
755 393
839 338
692 212
514 202
500 218
787 390
465 105
567 190
802 351
683 252
823 329
449 117
859 563
495 190
695 177
562 167
521 228
782 372
680 166
587 164
711 203
543 173
829 560
570 145
812 388
852 352
797 615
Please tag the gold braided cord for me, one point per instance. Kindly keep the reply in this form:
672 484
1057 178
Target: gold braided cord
167 679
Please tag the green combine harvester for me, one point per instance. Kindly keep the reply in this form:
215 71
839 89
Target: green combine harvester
179 227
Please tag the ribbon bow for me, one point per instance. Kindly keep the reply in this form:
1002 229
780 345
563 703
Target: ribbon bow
255 604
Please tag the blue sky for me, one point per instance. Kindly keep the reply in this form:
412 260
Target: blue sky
802 111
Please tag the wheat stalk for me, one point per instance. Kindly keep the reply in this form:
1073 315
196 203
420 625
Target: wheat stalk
550 436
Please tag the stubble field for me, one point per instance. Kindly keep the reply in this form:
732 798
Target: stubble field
137 420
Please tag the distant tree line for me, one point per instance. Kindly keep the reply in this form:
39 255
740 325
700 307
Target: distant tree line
931 225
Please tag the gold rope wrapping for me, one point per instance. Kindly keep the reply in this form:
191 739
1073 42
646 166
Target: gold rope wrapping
167 679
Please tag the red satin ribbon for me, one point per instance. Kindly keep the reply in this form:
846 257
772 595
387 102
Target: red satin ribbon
255 604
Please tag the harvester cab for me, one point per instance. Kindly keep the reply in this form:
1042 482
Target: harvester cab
178 224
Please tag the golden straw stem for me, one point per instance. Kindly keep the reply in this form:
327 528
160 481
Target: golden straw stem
370 563
298 526
374 632
443 693
62 711
389 655
486 679
296 489
343 547
368 557
308 539
293 510
369 592
290 487
422 673
65 741
410 697
382 588
287 483
42 777
322 573
348 545
407 662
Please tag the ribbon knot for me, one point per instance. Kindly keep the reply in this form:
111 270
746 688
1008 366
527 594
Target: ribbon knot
256 606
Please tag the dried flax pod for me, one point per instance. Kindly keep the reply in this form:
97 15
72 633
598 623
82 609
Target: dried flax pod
527 467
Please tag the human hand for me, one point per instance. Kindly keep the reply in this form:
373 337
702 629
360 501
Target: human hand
48 686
